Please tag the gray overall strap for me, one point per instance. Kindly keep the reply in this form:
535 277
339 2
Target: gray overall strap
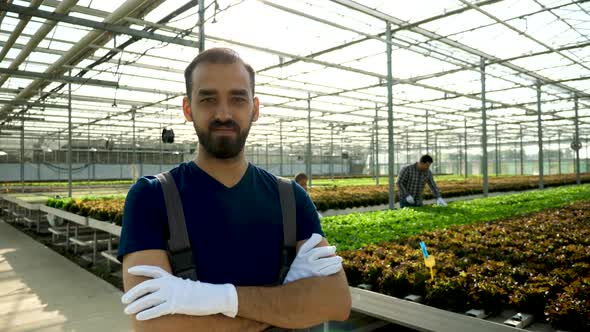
179 246
287 197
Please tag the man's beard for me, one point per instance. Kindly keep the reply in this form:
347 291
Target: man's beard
222 146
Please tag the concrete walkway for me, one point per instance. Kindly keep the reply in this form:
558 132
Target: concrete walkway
42 291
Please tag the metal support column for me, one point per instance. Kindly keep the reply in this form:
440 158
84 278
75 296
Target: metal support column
39 162
540 136
266 154
372 163
577 141
390 142
69 155
521 154
407 148
587 156
308 159
22 150
515 158
55 154
291 158
465 147
559 152
332 151
161 148
459 155
427 134
342 151
484 137
321 168
134 162
435 157
497 166
548 169
119 153
377 172
88 159
201 25
281 147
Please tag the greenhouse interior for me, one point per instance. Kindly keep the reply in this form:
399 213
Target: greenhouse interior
353 94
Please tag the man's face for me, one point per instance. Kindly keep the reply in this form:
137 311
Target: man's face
423 166
222 108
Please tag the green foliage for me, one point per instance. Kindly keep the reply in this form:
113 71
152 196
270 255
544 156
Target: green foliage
366 181
570 310
357 230
357 192
106 208
538 264
448 293
65 183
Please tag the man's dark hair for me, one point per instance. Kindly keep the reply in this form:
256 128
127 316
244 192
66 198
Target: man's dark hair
300 176
426 159
218 56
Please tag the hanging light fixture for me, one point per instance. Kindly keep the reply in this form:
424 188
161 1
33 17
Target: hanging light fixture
167 136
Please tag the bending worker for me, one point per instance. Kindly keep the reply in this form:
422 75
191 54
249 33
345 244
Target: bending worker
301 179
411 180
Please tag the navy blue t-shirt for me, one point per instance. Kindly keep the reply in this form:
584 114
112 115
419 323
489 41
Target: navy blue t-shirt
236 233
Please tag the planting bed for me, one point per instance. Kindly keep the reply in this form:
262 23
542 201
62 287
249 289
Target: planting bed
356 230
538 264
44 186
342 197
105 208
491 254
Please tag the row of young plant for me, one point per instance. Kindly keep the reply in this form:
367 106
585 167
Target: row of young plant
105 208
356 230
342 197
368 180
51 183
538 264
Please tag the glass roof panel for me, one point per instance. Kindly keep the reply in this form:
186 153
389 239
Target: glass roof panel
320 48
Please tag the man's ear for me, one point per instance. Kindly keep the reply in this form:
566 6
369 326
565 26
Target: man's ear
186 109
256 109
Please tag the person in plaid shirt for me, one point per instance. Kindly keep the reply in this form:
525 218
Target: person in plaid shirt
411 181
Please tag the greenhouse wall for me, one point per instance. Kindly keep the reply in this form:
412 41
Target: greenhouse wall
45 172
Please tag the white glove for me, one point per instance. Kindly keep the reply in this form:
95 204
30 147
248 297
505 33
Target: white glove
441 202
410 199
166 294
314 262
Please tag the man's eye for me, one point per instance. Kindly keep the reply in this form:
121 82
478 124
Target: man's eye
207 100
239 99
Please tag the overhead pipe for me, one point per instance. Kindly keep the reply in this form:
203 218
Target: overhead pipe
18 29
445 40
522 33
80 50
63 8
3 14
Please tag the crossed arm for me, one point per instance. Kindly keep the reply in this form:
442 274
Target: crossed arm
298 304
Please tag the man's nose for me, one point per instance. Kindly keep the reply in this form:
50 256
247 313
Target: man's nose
223 112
